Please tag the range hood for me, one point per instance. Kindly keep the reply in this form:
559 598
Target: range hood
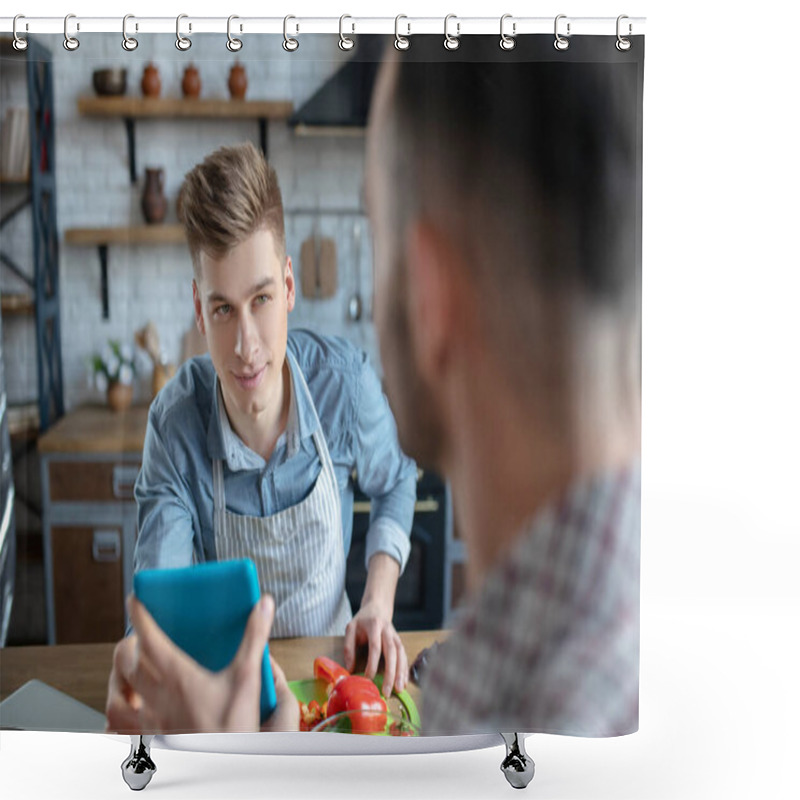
341 104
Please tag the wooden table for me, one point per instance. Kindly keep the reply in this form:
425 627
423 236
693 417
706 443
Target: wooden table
82 670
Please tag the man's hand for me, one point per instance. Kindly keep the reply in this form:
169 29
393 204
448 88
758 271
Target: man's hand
157 688
372 625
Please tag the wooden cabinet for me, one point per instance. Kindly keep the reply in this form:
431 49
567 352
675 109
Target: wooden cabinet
90 460
88 583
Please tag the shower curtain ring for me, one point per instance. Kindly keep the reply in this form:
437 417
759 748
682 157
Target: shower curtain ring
401 42
182 42
623 44
507 42
451 42
70 42
561 43
344 42
128 42
290 44
20 44
233 44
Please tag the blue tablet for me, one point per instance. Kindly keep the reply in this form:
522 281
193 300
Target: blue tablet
204 609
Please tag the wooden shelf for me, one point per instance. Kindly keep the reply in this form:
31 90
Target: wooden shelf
130 109
141 234
23 419
138 107
329 130
17 305
102 238
22 180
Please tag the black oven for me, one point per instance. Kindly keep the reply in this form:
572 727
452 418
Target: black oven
419 602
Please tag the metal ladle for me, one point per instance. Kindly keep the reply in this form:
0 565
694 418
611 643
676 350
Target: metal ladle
356 305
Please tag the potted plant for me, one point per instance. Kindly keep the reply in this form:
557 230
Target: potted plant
113 372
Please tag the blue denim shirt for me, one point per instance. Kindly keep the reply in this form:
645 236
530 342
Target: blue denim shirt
188 427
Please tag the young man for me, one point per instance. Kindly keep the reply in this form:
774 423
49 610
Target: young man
503 196
249 450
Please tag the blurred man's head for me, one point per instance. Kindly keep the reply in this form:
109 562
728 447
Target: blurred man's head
503 196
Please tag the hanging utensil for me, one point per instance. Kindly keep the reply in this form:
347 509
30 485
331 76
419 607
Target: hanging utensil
356 305
318 271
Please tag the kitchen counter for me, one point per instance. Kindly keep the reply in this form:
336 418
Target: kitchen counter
97 429
89 462
82 670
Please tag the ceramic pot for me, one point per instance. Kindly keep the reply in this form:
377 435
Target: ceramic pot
237 81
154 203
119 396
191 82
151 81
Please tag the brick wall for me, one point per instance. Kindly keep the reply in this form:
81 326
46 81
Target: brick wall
94 190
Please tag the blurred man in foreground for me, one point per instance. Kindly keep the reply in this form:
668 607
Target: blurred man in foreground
503 198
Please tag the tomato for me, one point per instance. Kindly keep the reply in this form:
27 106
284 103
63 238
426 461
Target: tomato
348 692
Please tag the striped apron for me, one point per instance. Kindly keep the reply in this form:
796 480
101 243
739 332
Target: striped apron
298 552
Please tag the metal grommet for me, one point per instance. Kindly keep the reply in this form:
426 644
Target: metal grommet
401 42
451 42
507 42
70 42
290 44
623 44
128 42
561 43
233 44
19 44
182 42
344 42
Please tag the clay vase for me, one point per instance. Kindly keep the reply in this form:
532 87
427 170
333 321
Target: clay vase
119 396
191 82
237 81
154 203
151 81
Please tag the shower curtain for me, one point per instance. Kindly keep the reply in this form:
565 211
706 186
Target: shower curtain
545 638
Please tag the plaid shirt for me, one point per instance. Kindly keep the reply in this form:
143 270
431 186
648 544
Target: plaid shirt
550 643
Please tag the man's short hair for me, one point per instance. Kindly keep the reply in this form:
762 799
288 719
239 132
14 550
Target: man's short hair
531 165
225 199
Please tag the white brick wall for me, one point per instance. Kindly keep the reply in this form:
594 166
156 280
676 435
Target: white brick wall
94 189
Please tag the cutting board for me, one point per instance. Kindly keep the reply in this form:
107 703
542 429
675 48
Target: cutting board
318 268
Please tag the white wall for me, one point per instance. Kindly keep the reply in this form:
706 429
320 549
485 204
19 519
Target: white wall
94 190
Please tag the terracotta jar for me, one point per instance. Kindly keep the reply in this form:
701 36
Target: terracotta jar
120 396
151 81
191 82
154 203
237 81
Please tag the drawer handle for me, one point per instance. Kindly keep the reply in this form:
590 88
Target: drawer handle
106 546
420 507
123 479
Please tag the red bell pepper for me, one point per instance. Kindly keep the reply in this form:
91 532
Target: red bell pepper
328 670
311 714
352 693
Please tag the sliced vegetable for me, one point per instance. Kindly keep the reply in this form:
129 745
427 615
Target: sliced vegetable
326 669
352 693
311 714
